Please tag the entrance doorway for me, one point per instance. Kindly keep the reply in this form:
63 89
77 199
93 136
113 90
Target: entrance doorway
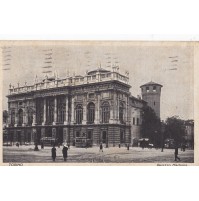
104 136
37 137
19 137
60 135
48 132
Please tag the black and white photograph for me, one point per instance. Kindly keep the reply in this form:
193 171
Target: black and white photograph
98 102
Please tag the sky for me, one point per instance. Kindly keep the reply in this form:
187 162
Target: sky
169 64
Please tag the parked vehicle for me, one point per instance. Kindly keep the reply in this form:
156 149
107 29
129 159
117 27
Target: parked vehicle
169 143
49 141
83 142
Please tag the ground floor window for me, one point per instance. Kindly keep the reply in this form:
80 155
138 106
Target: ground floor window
89 134
104 136
121 136
77 133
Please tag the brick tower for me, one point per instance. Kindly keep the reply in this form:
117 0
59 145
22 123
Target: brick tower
151 93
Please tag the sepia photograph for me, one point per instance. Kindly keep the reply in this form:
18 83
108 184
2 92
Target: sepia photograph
97 102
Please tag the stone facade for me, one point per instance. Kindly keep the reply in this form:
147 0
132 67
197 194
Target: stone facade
98 105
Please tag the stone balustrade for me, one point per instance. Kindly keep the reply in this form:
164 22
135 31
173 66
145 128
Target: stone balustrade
69 81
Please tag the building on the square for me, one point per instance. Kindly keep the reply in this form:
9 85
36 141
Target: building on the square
189 133
151 93
97 106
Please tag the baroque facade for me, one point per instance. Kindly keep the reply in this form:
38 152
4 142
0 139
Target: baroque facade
98 106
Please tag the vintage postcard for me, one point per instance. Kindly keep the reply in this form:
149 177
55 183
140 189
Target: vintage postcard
99 103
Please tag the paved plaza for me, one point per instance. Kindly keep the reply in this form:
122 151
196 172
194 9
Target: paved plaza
26 154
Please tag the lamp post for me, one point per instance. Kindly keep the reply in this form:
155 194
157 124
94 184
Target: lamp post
162 135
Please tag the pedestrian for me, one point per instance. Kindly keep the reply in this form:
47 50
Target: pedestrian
42 145
53 153
17 144
119 145
101 147
176 154
65 152
36 147
127 146
183 147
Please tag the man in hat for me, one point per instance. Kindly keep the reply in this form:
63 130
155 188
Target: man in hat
65 152
176 153
53 151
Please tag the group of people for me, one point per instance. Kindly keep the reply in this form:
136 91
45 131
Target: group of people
64 152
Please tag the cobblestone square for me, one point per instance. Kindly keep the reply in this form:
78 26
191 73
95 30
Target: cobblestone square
26 154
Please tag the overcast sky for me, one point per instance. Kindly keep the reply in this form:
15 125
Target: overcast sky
170 65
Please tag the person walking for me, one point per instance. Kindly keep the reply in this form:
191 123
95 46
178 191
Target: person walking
176 154
101 147
42 145
53 150
127 146
65 152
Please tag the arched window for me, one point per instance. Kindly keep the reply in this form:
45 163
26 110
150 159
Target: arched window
30 116
20 117
105 112
91 113
121 112
12 117
79 114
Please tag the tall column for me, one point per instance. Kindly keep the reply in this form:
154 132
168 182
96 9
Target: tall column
118 110
111 113
34 119
55 111
16 118
44 116
34 122
9 118
114 108
126 110
97 111
72 110
66 117
24 117
84 113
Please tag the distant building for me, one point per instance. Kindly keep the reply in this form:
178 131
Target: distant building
97 106
151 93
189 133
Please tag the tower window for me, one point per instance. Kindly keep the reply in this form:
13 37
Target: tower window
147 89
138 121
133 120
77 134
154 88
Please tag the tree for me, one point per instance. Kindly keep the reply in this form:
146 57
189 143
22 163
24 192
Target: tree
5 116
151 126
175 129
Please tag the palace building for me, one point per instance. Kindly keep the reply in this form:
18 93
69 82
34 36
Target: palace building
97 106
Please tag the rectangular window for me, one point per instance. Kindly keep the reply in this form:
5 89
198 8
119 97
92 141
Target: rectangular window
138 121
106 95
133 120
154 88
91 95
121 136
77 134
79 97
89 135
